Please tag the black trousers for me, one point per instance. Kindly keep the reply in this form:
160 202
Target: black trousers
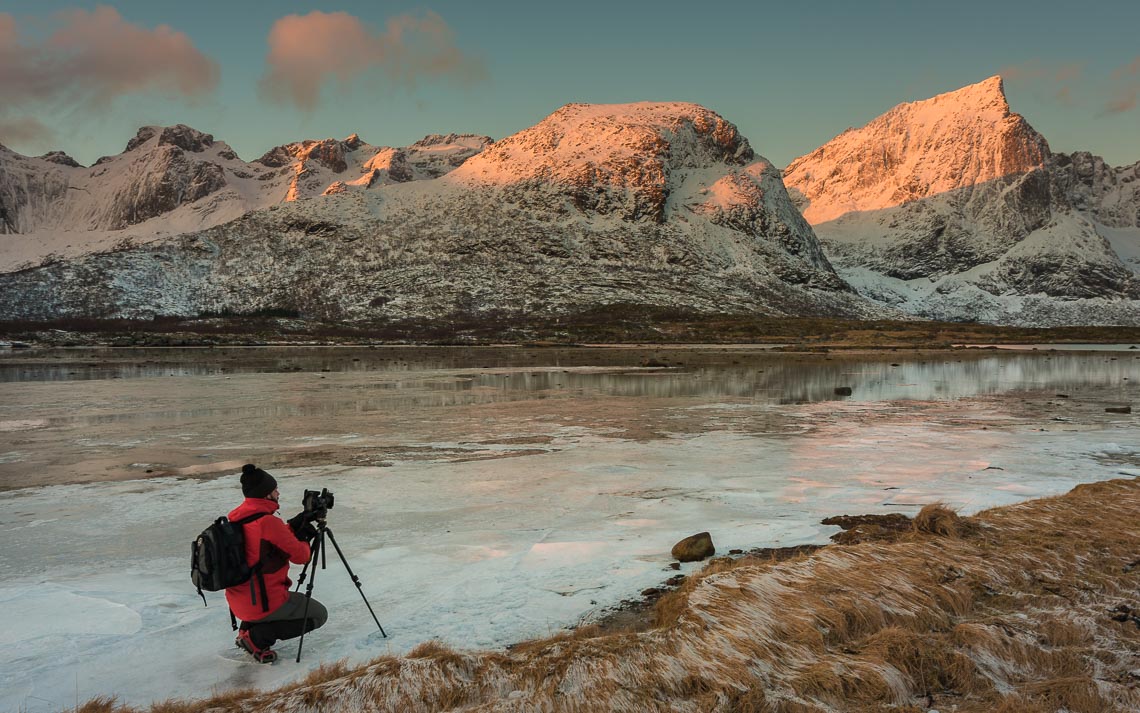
287 621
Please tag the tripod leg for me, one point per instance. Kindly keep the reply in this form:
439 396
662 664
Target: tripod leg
304 571
318 548
355 580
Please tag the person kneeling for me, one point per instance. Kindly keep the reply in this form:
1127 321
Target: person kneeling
268 611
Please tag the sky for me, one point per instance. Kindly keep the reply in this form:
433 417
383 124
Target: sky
82 77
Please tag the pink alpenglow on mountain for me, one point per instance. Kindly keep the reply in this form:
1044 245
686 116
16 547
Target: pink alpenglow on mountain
916 150
595 150
954 208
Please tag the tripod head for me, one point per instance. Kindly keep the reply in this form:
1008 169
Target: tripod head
314 502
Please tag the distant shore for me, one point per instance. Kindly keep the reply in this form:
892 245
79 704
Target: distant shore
611 326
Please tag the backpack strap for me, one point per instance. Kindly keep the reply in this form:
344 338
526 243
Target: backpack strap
247 520
193 564
233 620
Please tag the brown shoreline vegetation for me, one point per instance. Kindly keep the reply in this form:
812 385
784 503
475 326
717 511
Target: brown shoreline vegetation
612 324
1025 608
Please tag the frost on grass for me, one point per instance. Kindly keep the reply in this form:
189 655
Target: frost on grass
1008 610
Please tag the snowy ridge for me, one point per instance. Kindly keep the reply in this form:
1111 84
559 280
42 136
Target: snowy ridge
172 180
954 208
643 204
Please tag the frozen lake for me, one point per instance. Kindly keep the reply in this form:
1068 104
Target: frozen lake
483 496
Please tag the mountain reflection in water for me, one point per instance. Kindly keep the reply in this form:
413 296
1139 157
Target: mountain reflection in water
427 377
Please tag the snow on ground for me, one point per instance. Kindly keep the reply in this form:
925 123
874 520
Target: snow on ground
484 553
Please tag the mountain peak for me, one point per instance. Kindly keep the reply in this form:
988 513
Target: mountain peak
326 152
916 150
180 135
613 143
611 156
60 158
988 94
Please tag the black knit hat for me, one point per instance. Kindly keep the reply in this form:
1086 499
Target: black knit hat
255 482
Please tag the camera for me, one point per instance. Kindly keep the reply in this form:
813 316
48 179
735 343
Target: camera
315 502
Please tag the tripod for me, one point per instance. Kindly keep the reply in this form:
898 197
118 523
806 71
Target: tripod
318 548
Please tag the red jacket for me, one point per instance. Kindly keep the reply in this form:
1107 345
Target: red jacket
272 541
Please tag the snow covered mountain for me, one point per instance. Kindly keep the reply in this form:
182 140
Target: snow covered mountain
950 208
175 179
955 208
660 204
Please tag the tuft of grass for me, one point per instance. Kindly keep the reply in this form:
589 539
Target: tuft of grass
326 672
937 519
103 704
438 652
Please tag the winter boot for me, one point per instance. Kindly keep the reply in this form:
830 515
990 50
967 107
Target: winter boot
263 655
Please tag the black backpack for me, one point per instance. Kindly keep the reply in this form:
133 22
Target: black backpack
217 559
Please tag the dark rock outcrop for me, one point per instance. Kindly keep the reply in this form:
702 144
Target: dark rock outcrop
869 528
60 158
694 548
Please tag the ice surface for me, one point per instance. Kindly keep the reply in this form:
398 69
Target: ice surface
486 552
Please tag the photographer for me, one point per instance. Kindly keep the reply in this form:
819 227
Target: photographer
268 611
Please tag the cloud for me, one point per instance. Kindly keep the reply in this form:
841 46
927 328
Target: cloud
1057 80
24 130
90 59
1124 100
1127 88
305 51
1130 69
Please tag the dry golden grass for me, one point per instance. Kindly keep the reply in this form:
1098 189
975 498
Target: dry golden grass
937 519
325 672
102 704
235 700
1004 611
436 651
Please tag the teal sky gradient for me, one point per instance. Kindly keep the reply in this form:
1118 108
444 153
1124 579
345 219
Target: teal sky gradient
790 77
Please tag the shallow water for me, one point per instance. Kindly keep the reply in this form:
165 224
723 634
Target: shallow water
95 415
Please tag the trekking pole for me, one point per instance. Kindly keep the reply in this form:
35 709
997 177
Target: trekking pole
355 580
318 549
